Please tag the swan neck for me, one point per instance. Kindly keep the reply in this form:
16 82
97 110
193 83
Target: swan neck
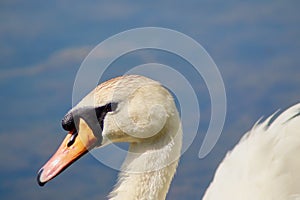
150 166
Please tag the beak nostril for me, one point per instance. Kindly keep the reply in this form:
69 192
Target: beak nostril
72 139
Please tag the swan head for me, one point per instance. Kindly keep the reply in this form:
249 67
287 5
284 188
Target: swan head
132 109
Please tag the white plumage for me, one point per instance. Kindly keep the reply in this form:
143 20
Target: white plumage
263 166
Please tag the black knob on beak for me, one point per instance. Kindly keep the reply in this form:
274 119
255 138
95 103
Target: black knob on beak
68 123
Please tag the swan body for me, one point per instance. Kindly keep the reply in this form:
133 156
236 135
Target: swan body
138 110
265 164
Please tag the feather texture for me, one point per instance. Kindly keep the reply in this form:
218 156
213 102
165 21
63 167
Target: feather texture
265 164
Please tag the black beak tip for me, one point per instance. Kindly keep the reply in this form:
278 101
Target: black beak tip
38 178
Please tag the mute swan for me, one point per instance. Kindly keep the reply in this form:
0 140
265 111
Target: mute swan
135 109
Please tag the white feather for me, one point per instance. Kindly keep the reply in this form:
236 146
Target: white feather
265 164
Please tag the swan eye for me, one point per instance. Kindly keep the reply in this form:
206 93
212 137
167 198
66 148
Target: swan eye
103 110
110 107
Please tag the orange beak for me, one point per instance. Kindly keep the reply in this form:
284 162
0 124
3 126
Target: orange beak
72 148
